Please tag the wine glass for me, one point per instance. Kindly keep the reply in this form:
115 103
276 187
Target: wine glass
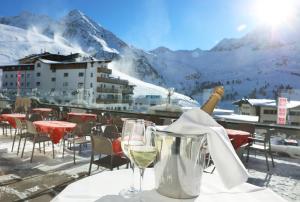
142 147
128 129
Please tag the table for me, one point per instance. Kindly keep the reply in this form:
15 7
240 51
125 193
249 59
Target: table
55 129
82 116
10 118
105 186
239 137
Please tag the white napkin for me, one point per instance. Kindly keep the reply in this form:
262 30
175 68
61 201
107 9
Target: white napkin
228 164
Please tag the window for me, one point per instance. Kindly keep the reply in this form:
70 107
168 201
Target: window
92 75
65 84
5 84
38 65
11 83
22 75
268 121
22 84
5 75
38 83
295 113
80 85
92 64
270 111
38 74
53 79
66 74
27 84
53 70
28 75
80 74
11 76
64 93
91 85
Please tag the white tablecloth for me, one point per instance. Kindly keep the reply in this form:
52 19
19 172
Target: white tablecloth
105 186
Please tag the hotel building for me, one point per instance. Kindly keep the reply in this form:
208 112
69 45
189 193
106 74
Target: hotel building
68 79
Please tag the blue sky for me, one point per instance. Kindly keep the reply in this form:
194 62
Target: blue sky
147 24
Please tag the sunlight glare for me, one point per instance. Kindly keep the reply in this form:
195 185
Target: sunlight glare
275 12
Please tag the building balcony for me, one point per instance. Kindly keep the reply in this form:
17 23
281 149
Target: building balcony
108 100
113 101
103 70
127 91
112 80
128 101
108 90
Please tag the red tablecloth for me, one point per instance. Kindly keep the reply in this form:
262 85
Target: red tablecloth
239 137
55 129
10 118
83 116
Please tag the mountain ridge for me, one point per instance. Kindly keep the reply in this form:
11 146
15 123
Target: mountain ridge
248 66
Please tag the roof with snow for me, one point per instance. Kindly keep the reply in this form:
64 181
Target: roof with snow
266 103
238 117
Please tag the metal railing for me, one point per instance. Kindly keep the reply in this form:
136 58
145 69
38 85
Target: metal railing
112 80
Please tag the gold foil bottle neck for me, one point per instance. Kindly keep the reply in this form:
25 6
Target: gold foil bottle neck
213 100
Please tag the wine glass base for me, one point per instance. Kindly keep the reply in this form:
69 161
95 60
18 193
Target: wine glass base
129 193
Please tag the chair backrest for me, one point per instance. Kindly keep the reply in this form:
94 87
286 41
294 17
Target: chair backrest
19 109
75 119
6 111
118 122
101 145
53 115
31 128
86 127
35 117
83 129
110 131
19 124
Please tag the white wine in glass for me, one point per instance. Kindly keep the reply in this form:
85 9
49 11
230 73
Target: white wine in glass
142 156
128 129
144 152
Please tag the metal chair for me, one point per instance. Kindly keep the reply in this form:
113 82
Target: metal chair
19 132
79 136
111 132
103 146
37 138
262 144
35 117
4 124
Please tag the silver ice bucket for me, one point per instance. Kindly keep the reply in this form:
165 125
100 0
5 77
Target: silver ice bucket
180 164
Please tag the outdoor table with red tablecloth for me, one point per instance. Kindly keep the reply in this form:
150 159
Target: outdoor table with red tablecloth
83 116
55 129
10 118
239 137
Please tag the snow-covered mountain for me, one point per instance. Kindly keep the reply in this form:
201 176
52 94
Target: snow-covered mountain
260 64
17 42
78 30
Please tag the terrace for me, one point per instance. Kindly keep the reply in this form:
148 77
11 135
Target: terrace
46 177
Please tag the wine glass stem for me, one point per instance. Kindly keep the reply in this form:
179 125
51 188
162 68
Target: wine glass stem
132 177
142 170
